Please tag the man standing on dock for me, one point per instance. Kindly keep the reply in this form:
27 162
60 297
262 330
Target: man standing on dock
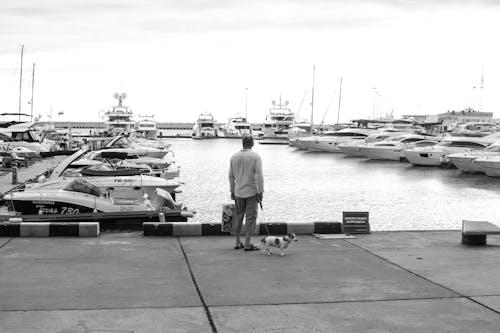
246 182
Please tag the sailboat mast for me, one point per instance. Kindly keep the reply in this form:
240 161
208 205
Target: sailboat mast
340 97
21 80
312 99
32 90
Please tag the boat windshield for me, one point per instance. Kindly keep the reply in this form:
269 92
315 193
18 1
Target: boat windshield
83 186
494 148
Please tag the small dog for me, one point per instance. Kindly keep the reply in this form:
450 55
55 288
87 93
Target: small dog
281 242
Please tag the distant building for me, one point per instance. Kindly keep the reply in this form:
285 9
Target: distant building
451 119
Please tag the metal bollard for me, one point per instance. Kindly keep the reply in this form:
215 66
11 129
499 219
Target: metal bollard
14 175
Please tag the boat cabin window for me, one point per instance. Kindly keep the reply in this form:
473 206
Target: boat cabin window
410 140
466 144
211 125
362 135
23 136
83 186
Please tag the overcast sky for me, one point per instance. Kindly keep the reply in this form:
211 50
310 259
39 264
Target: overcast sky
176 59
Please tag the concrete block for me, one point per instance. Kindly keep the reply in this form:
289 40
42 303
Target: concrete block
88 229
327 227
157 229
9 229
213 229
186 229
63 229
275 228
300 228
35 229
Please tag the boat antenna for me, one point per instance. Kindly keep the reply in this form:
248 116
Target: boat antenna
301 102
32 90
312 99
21 80
246 104
340 97
482 90
328 108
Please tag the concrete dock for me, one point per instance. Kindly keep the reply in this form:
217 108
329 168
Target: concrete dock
125 282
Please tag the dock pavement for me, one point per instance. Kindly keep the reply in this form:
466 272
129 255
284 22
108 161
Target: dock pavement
125 282
24 174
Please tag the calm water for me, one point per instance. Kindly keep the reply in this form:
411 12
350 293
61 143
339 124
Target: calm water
305 186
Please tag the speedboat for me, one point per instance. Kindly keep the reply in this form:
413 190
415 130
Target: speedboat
130 144
81 196
437 155
490 165
330 140
392 148
465 162
117 184
25 136
106 163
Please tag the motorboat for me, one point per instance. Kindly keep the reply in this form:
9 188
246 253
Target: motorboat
24 135
353 148
465 162
118 118
298 130
278 121
205 127
131 144
236 127
490 165
108 163
392 148
329 141
437 155
82 196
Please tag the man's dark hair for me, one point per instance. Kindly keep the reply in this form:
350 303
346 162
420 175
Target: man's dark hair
247 141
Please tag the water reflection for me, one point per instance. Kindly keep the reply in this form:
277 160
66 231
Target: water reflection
306 186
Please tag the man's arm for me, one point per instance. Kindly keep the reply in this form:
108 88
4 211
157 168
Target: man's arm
231 179
259 177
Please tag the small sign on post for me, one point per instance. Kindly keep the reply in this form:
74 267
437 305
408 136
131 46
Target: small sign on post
355 223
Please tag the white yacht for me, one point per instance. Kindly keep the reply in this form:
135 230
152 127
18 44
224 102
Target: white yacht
353 148
236 127
146 126
278 121
466 162
205 127
330 140
436 155
490 165
392 148
118 118
23 135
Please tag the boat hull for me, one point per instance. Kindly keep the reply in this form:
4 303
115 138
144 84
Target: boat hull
490 167
465 163
424 158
